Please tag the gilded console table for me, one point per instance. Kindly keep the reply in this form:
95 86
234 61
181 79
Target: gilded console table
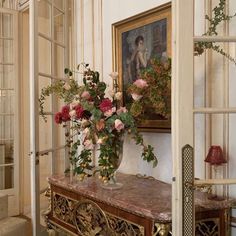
142 207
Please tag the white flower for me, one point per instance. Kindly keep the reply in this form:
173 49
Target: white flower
119 125
84 123
100 141
111 93
118 96
88 144
136 96
114 75
74 104
67 86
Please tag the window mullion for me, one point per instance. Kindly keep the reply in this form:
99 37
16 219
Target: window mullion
229 39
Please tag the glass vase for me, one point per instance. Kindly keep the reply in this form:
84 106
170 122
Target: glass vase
111 183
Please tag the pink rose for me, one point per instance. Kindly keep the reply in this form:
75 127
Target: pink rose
121 110
65 113
72 114
79 111
88 144
110 112
105 105
119 125
86 95
136 96
58 118
140 83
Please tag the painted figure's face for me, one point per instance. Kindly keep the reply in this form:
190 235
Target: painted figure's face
140 44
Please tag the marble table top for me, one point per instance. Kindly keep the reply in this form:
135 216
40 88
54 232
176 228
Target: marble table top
149 198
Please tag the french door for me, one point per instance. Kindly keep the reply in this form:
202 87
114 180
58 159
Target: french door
9 108
49 55
204 107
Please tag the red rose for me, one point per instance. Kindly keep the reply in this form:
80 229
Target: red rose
58 118
79 111
65 113
105 105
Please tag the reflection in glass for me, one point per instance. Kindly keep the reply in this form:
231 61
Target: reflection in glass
6 177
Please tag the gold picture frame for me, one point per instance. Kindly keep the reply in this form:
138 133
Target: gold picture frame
153 27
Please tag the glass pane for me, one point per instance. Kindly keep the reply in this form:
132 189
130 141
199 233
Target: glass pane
11 4
232 152
6 101
6 152
59 61
45 170
201 24
45 136
199 145
1 50
7 51
7 76
44 82
44 18
58 26
211 79
60 161
7 25
6 177
232 85
59 4
44 57
6 127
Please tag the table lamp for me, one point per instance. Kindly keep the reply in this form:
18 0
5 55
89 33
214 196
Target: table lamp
215 158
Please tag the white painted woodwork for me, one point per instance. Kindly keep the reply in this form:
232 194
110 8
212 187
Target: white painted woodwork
34 129
14 192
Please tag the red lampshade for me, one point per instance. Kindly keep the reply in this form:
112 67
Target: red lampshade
215 156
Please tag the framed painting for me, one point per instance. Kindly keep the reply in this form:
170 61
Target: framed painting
149 33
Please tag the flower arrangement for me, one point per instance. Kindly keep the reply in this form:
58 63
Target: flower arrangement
97 120
151 92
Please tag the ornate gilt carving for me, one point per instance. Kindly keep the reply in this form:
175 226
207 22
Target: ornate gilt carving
90 220
123 227
161 229
63 208
208 227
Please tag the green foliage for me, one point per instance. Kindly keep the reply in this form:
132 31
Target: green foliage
219 16
155 95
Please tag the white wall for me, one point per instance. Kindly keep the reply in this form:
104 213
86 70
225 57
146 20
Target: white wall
101 59
94 42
